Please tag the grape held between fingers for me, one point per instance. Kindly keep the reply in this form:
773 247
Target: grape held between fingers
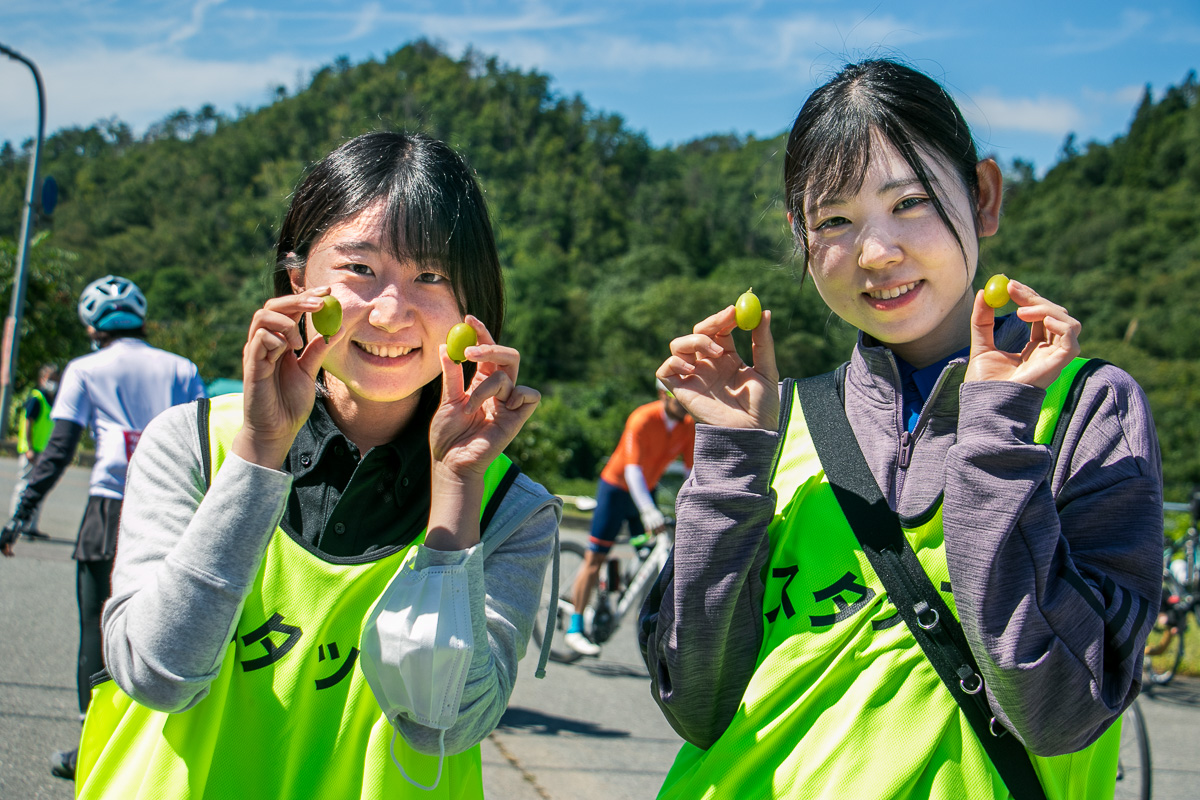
748 310
995 293
460 337
328 318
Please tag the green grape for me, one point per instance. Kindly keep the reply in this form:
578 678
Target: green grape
995 293
747 310
460 337
328 318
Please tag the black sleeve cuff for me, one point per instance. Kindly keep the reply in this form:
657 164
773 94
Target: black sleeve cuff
52 463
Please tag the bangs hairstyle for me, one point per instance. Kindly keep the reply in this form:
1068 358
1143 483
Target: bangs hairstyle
829 149
434 214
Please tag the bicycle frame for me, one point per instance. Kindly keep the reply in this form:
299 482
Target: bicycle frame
601 619
1165 644
635 592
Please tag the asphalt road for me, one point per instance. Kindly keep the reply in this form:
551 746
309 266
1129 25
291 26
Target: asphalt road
588 731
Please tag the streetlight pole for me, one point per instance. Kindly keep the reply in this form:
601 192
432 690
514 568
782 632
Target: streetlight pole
12 325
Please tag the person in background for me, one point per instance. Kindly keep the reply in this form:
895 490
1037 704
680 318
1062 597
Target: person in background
114 391
769 637
33 433
655 435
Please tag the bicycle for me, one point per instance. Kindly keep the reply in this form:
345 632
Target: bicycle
1134 772
625 580
1180 596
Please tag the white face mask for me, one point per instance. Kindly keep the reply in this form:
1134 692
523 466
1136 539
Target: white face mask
51 387
416 648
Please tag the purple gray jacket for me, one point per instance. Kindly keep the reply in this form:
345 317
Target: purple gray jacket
1056 568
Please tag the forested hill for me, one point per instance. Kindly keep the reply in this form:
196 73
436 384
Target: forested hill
611 246
1113 233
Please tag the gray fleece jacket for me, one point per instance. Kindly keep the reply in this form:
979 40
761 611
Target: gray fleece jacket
187 558
1056 569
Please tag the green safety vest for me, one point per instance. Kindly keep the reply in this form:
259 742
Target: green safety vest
42 428
843 702
289 714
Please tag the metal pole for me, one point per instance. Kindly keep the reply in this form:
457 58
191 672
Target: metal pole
12 325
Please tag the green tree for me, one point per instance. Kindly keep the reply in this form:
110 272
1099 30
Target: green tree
50 329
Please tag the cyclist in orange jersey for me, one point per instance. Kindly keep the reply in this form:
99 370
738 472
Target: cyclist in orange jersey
655 435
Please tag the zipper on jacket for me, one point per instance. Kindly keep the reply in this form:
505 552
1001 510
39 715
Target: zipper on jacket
908 439
906 447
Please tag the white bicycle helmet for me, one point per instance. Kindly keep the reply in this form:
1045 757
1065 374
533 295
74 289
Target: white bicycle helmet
112 303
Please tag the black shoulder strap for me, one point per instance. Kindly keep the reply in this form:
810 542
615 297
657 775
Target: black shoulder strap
920 605
493 505
203 412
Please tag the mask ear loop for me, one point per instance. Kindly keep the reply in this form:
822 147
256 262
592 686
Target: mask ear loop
441 757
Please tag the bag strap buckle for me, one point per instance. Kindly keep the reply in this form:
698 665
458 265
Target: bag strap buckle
927 617
969 680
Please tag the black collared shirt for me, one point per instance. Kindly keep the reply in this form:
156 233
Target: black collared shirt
346 504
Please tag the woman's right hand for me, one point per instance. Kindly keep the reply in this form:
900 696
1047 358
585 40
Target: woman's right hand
279 382
706 374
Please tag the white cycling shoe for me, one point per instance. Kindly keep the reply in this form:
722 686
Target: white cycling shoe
581 644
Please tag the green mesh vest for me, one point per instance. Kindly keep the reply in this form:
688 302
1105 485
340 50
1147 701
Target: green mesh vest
844 703
289 714
42 427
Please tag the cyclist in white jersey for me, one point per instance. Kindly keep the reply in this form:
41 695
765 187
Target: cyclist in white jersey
115 391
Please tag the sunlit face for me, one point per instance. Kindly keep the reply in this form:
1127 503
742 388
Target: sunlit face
884 261
395 313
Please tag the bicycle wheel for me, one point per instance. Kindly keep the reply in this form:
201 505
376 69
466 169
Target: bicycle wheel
1164 652
1134 771
570 562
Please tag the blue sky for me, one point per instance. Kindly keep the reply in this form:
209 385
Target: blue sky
1025 73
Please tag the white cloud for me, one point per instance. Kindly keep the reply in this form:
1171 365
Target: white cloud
1097 40
799 37
461 25
1029 115
366 22
623 54
535 19
142 71
140 88
735 43
1124 96
195 24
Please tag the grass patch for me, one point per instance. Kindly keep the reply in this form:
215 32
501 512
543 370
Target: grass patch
1191 650
572 486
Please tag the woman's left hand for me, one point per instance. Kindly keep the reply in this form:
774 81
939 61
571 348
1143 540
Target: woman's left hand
1053 341
473 425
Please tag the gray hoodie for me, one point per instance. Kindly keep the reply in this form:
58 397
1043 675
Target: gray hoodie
1056 569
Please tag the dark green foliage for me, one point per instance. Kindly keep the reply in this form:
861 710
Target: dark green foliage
50 328
1113 233
611 247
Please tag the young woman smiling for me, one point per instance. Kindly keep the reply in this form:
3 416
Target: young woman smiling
783 640
324 585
